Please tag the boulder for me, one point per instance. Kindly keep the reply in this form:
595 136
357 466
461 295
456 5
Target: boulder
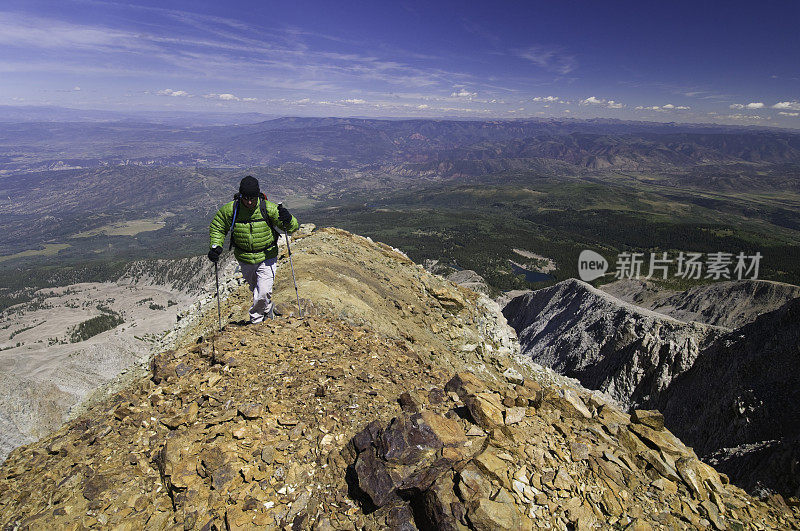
408 455
487 515
650 418
465 383
162 366
410 403
513 376
514 415
486 409
374 480
251 410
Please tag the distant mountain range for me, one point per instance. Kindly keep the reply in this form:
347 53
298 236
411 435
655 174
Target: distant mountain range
34 141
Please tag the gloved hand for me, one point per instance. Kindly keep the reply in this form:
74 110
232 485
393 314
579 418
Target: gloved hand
284 216
214 253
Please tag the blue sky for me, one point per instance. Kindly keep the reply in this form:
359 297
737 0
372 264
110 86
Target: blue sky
700 61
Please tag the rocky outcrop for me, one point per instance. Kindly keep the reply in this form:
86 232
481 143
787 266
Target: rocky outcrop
738 404
522 456
469 279
726 304
466 278
628 352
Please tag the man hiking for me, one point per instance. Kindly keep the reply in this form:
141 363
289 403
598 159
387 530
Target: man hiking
254 239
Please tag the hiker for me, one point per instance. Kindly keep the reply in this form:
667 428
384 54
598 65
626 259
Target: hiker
255 240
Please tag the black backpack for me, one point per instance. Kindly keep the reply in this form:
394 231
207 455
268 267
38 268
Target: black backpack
262 205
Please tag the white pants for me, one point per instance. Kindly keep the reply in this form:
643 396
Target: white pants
260 277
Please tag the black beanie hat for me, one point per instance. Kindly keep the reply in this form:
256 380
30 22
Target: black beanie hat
249 186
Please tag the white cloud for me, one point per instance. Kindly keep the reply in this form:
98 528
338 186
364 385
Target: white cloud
548 99
250 100
789 105
593 100
784 113
76 89
553 59
423 107
355 101
663 108
751 105
303 101
223 97
463 93
170 92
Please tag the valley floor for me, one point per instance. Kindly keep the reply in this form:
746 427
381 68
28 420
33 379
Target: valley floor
46 368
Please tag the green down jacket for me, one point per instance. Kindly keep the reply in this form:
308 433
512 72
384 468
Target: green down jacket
253 239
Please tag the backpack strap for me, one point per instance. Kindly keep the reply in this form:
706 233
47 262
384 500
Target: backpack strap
262 203
233 222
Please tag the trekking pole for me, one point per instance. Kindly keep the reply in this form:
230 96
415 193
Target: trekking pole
289 248
219 311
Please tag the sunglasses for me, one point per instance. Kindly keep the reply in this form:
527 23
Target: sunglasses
249 198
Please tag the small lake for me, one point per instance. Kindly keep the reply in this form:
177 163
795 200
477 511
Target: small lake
531 276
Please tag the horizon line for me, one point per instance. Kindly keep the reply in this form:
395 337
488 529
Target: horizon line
278 116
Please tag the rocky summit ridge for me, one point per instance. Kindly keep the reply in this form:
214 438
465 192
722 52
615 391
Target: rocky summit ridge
398 400
727 304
